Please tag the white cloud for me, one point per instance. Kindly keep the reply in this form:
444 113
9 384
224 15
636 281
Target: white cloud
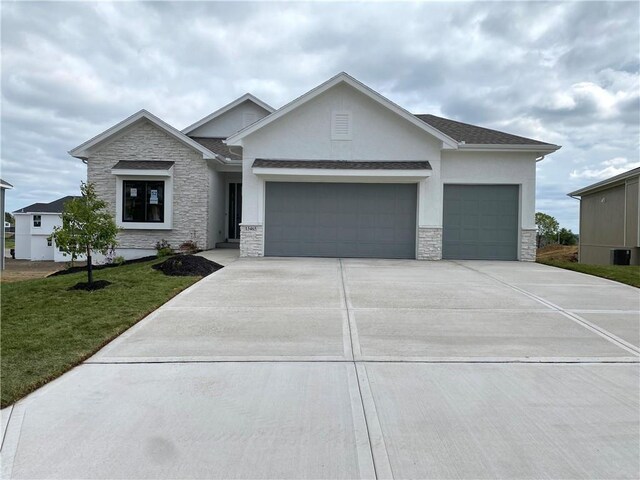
610 168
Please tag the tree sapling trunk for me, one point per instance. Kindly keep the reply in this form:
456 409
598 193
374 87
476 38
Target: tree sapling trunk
89 268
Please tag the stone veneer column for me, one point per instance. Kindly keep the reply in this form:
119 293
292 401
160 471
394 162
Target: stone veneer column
251 242
429 243
527 245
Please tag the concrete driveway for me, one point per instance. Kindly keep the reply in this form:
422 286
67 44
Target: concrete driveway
328 368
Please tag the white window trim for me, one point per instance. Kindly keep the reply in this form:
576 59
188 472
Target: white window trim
168 200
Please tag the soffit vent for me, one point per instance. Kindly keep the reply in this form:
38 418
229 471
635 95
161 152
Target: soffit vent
341 125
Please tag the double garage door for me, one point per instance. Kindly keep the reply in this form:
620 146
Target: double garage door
340 220
379 220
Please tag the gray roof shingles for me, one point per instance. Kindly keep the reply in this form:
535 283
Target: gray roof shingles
53 207
143 165
472 134
341 164
217 145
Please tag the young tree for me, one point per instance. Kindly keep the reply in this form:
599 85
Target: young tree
547 227
567 237
9 218
86 227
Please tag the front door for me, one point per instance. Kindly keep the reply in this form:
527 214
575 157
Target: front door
235 210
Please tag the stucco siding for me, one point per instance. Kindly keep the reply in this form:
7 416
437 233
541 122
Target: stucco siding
191 184
305 134
495 168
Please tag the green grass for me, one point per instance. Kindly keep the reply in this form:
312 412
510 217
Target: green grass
629 274
9 242
46 329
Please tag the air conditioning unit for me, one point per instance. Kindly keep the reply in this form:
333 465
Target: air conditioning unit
620 256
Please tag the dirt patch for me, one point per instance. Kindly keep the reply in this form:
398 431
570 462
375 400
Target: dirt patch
17 270
187 265
563 253
90 287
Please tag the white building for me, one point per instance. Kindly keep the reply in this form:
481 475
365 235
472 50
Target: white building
34 224
3 186
340 171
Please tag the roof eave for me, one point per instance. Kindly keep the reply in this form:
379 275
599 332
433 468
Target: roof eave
614 181
505 147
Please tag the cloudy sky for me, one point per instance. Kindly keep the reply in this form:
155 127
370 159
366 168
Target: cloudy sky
565 73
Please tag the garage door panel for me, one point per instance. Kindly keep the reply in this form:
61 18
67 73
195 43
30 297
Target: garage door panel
340 220
480 222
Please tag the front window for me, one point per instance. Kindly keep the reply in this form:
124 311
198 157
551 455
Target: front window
37 221
143 201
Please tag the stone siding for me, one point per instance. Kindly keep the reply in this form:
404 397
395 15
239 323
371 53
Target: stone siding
527 245
191 187
251 240
429 243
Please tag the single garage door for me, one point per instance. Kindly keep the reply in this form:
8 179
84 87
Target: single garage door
480 222
340 220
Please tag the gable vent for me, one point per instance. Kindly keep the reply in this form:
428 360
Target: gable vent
341 126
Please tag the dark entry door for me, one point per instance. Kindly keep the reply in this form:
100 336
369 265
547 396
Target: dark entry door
235 210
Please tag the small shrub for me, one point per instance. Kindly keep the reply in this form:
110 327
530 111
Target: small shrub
190 246
119 260
163 248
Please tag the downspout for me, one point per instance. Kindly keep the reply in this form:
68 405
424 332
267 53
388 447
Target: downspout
575 197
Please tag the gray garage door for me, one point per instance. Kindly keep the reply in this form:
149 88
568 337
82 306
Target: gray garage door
340 220
480 222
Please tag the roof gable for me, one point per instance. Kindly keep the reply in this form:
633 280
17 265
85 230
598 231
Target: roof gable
236 139
82 151
247 97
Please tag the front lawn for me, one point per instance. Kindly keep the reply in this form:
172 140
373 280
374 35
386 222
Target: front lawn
629 274
9 242
46 329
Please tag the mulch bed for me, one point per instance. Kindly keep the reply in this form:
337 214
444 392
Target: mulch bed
97 285
187 265
83 268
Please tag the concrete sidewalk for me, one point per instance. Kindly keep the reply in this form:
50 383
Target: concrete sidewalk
328 368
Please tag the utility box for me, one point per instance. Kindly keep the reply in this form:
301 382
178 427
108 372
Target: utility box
620 256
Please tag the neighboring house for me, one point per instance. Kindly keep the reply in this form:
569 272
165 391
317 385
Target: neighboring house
3 187
610 218
34 224
339 172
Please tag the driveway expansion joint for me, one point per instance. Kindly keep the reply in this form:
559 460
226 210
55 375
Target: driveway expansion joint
566 312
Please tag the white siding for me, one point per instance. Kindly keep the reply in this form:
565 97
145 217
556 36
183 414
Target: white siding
23 236
31 242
